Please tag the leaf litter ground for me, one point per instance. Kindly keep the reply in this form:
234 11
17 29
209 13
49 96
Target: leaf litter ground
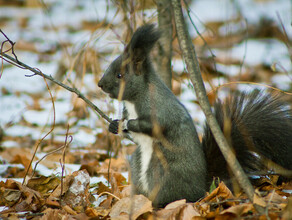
71 41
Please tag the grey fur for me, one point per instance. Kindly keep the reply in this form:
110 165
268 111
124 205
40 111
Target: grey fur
170 162
181 172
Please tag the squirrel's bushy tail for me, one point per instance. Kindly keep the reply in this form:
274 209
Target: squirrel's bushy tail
258 127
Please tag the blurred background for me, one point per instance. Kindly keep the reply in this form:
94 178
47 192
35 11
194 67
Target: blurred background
74 41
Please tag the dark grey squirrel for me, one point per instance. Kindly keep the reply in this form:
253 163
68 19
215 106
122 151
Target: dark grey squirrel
170 163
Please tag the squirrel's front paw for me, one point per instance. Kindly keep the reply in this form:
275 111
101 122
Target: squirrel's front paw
114 127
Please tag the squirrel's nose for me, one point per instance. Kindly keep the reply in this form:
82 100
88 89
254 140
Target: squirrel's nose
100 84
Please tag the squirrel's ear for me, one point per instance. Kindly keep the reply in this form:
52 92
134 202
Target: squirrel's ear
141 44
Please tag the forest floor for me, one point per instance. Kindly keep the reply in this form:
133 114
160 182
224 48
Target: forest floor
57 158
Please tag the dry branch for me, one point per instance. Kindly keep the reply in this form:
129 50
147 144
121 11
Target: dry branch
14 61
191 60
165 44
39 73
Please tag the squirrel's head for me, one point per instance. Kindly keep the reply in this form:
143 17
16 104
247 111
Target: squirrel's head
127 75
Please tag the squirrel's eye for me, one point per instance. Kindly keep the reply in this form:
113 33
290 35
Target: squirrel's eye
119 75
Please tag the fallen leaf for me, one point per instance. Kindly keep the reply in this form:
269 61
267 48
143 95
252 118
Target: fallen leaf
55 195
77 196
221 192
11 153
238 210
28 200
54 214
131 207
8 197
126 192
178 210
69 210
208 207
116 180
43 184
287 214
118 165
97 212
257 199
91 167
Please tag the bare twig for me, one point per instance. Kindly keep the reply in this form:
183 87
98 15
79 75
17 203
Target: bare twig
12 45
74 90
52 128
17 63
165 44
62 162
286 38
107 193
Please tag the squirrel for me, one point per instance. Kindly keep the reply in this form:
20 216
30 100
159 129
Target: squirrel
170 162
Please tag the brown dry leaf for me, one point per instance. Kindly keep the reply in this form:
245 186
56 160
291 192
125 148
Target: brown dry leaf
101 188
69 210
8 197
287 214
118 165
126 191
10 154
77 196
275 198
57 192
15 172
131 207
178 210
61 214
29 200
116 180
43 184
236 211
176 204
107 203
9 184
111 175
120 179
221 192
52 203
189 212
259 200
32 200
282 190
97 212
54 214
91 167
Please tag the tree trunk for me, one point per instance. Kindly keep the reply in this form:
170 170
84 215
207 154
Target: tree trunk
165 44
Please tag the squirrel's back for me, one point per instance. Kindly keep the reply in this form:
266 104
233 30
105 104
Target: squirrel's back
258 127
170 163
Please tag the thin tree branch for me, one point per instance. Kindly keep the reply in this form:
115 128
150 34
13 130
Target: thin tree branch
191 60
51 130
165 43
74 90
19 64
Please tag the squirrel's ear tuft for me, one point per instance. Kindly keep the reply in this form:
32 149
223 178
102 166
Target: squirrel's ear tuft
141 43
144 38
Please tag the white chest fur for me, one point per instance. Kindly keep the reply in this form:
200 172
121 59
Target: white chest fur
145 143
